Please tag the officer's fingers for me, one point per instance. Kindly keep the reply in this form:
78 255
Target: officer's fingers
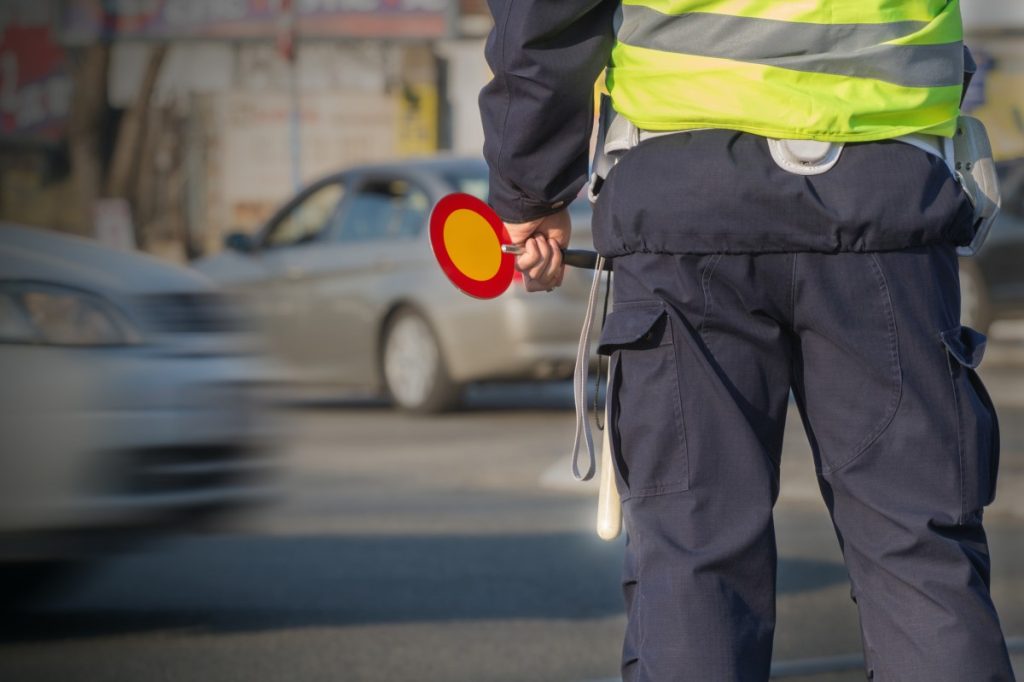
541 273
547 273
536 277
538 247
555 267
529 258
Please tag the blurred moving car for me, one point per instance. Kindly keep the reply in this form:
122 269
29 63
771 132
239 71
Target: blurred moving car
124 407
350 293
992 282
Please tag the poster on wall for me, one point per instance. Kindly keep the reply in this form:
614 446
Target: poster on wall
416 121
35 82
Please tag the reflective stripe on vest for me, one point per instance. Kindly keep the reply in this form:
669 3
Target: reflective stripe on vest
797 69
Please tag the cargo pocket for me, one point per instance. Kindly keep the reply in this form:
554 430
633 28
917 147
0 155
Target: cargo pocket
978 426
645 411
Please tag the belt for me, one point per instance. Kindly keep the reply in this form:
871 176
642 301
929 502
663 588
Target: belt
621 135
940 147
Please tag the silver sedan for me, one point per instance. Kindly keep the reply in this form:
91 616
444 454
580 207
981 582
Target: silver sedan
127 406
349 293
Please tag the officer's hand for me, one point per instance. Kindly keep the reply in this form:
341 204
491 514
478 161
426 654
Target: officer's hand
543 239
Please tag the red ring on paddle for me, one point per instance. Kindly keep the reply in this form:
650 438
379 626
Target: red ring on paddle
502 279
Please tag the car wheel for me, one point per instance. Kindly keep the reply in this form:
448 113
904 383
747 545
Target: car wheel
975 309
414 371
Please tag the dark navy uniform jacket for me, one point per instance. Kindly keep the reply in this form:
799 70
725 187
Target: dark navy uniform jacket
702 192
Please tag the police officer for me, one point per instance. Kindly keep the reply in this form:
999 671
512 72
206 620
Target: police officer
785 218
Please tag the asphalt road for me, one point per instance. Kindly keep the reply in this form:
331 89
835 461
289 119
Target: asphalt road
449 549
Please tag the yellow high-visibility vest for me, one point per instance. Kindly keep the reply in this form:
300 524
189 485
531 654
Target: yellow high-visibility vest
833 70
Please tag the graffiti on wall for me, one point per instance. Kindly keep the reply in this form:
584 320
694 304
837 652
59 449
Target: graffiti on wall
35 84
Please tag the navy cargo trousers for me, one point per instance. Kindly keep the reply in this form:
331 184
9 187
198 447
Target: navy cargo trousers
705 351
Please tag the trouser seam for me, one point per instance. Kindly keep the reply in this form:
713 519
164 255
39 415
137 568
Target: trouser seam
705 283
894 360
960 444
641 634
792 292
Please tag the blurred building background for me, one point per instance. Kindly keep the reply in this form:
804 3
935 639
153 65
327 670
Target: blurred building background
164 124
995 33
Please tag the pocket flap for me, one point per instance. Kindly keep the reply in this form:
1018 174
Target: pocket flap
966 345
633 325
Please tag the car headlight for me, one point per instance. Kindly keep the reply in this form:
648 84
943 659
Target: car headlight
58 315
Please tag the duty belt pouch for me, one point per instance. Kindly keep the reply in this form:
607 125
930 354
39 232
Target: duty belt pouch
976 171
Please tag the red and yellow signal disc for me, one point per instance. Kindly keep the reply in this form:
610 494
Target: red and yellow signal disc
466 236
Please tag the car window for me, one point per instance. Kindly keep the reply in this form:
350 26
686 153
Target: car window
384 210
307 219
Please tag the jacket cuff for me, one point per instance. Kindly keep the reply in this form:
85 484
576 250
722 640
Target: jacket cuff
512 206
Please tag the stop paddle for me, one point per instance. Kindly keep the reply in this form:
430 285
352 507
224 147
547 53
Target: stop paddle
475 251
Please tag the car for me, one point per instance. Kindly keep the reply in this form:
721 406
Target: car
127 406
350 294
992 281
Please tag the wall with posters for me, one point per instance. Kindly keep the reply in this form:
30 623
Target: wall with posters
35 101
216 147
358 104
248 167
365 81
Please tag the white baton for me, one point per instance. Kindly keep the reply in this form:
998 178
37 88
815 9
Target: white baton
609 506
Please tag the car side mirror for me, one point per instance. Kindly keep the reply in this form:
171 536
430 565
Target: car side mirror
241 242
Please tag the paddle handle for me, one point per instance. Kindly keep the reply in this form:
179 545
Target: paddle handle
577 258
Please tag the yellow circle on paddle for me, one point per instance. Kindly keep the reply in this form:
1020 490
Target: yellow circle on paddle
472 245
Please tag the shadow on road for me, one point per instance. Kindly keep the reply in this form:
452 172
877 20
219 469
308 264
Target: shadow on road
237 583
